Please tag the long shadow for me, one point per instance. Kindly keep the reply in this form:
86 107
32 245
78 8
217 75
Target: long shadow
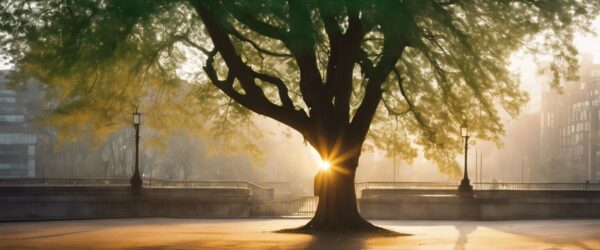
351 240
337 240
555 241
463 235
60 234
531 229
345 240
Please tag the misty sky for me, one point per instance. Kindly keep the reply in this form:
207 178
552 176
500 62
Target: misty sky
525 65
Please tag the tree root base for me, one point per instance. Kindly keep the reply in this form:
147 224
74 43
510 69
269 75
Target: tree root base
362 228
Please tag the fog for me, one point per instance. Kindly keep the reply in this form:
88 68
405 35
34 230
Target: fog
288 159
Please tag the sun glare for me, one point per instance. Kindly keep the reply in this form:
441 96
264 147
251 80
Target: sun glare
324 165
321 164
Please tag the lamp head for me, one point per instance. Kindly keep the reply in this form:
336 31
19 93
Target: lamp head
464 131
137 118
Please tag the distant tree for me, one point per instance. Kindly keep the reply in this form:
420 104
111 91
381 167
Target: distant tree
339 72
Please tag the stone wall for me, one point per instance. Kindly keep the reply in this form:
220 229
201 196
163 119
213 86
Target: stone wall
87 202
486 205
30 203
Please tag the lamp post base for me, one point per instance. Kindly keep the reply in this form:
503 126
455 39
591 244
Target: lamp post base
135 181
465 189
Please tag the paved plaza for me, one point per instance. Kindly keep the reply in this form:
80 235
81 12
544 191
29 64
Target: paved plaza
159 233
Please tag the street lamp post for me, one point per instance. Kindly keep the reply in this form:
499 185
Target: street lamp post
136 181
465 188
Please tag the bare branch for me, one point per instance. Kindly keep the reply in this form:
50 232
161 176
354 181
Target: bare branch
411 107
248 19
281 87
193 44
448 2
391 109
257 47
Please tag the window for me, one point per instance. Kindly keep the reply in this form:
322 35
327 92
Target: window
587 126
17 138
550 120
5 108
8 92
5 165
8 99
12 118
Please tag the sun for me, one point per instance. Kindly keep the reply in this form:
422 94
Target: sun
320 162
324 165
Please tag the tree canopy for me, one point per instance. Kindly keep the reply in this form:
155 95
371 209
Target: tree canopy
402 74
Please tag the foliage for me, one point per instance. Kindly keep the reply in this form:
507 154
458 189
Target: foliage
410 72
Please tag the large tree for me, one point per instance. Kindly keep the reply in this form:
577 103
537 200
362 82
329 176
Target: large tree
405 74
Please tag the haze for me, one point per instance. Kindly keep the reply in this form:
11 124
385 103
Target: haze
291 160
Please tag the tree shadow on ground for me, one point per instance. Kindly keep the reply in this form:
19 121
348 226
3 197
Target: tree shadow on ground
463 235
350 240
542 231
559 240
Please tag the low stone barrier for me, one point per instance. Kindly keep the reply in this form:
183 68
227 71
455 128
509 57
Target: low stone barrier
485 205
87 202
30 203
256 191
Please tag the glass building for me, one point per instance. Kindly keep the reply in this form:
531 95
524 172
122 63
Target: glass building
18 139
570 128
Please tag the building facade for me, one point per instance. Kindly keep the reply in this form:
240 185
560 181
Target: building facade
18 138
570 131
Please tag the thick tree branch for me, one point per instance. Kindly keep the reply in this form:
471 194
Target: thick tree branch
361 122
345 47
349 46
327 12
257 47
224 85
366 65
253 23
254 98
301 43
398 32
281 88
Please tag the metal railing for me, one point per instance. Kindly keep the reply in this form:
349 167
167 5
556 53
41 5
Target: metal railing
258 192
301 207
263 198
405 185
268 193
62 181
477 186
402 185
535 186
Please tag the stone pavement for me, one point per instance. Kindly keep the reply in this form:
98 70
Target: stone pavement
159 233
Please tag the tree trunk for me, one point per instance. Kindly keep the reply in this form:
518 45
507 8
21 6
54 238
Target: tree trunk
337 209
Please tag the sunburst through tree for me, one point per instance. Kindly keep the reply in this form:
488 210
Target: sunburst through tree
338 72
